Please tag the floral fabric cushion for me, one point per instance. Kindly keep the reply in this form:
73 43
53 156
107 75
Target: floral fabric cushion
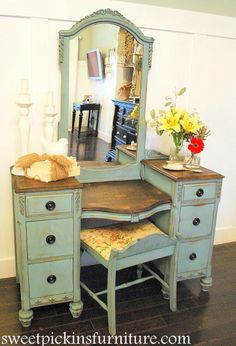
118 237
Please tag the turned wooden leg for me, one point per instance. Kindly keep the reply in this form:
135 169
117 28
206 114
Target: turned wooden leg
25 317
139 271
76 309
73 120
206 283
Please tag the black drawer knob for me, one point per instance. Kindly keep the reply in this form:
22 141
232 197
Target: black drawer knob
196 221
193 256
200 192
50 205
51 279
50 239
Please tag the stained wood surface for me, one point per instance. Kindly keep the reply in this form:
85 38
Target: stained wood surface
131 153
206 174
24 184
122 197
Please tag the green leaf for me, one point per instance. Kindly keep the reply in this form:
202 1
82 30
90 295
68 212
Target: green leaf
181 92
168 104
153 113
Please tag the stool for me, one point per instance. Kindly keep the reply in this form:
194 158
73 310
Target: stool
124 245
90 107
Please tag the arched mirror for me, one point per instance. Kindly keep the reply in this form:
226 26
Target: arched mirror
104 65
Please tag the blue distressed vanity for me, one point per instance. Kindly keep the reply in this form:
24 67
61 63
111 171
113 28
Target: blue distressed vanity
135 187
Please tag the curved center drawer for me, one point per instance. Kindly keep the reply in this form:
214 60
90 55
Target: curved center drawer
49 238
48 204
196 221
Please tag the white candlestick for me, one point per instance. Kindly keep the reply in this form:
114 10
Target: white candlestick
50 114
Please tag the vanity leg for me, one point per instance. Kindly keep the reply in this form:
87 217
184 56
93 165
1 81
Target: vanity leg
73 120
80 122
25 317
206 283
76 309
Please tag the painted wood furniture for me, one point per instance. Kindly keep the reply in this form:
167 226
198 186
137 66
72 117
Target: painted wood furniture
192 219
47 239
121 246
93 113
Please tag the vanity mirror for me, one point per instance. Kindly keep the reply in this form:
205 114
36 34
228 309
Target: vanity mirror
104 66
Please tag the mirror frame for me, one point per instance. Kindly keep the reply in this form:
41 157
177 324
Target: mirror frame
110 17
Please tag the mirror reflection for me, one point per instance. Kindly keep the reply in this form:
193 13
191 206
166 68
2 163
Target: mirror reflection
105 64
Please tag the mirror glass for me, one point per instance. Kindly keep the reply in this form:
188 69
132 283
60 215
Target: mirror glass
105 75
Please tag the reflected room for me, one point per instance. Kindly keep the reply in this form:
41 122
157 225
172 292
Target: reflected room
105 67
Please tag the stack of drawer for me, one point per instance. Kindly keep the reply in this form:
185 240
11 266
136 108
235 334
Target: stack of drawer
47 235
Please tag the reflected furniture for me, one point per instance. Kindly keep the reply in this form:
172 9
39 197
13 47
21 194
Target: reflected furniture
93 116
125 245
47 223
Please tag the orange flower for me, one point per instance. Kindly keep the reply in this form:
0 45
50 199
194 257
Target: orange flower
196 145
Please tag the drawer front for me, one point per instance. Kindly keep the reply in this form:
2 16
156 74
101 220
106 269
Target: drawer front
48 204
49 238
193 255
121 134
199 192
196 221
50 278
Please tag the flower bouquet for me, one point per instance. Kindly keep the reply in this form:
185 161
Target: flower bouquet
182 126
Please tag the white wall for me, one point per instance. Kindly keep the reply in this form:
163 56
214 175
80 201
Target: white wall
191 49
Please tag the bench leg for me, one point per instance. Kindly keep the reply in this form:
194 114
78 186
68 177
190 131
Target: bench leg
111 299
173 283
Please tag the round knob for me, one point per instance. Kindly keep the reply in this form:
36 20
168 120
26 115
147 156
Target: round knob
50 239
51 279
124 136
193 256
50 205
200 192
196 221
117 132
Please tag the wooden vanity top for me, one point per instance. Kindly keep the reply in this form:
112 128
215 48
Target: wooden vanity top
206 174
125 197
24 184
131 153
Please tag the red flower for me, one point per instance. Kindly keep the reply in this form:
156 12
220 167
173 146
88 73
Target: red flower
196 145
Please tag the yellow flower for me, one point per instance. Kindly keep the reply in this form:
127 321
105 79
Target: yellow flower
170 122
191 123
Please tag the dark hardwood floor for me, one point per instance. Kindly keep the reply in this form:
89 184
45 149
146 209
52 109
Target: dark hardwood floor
208 318
88 147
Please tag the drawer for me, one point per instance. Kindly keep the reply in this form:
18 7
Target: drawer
196 221
49 238
196 192
50 278
121 134
48 204
193 255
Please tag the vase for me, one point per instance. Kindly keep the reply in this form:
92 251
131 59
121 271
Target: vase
192 160
177 154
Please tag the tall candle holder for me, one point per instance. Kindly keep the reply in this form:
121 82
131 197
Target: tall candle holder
50 114
24 102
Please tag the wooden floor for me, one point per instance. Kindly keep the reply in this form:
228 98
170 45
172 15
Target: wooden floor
208 318
88 147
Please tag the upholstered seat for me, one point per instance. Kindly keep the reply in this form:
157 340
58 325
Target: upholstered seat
124 245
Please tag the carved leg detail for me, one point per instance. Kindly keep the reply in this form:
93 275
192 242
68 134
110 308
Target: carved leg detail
165 292
25 317
76 309
206 283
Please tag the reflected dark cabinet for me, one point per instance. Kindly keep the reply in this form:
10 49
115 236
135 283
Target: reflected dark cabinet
124 129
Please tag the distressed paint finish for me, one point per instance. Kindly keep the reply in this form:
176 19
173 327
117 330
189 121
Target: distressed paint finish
47 243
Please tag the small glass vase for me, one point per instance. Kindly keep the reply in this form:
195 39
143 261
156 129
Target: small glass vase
193 160
177 154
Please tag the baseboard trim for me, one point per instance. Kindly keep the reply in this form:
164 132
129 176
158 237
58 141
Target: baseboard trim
7 267
225 235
